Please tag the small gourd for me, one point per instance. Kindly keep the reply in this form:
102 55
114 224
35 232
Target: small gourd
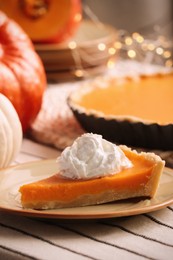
10 132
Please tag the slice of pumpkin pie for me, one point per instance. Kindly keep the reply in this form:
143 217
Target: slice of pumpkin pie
94 171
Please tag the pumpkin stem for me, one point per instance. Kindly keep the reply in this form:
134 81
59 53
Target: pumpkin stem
34 9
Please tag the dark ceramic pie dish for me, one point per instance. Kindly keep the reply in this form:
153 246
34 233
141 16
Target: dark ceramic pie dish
122 129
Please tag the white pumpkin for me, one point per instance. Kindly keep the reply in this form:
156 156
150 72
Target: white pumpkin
10 132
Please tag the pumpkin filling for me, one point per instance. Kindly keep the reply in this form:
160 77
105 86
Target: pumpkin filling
148 98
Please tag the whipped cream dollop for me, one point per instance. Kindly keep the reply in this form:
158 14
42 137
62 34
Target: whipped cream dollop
91 156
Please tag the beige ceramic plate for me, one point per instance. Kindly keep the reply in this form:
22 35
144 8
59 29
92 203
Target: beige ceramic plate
12 178
59 58
89 35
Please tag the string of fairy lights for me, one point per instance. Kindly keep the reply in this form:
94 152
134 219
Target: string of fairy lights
157 50
135 46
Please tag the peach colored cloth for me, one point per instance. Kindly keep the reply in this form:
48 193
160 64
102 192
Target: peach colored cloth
55 124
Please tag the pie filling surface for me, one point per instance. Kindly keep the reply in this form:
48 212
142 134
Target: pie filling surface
147 98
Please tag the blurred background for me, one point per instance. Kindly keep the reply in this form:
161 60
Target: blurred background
71 47
144 16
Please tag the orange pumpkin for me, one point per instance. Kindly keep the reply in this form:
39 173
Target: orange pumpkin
45 20
22 76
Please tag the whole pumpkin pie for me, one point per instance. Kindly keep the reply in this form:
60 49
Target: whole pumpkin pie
134 111
94 171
